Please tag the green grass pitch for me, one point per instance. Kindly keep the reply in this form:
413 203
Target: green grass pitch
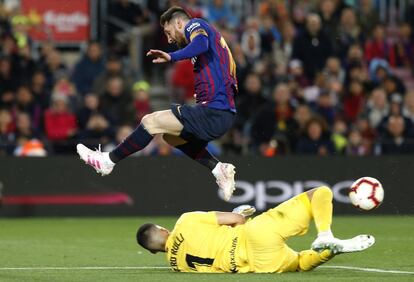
110 242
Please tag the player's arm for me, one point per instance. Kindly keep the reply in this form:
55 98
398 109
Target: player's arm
196 47
230 218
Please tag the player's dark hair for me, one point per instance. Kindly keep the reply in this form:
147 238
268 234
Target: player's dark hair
144 235
172 13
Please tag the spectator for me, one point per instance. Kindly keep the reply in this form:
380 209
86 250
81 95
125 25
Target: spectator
89 108
7 137
325 107
302 116
377 107
97 131
396 141
339 136
25 103
408 110
249 100
121 133
117 103
8 82
282 50
219 13
60 124
24 129
54 68
269 35
38 88
275 122
329 20
367 17
378 47
312 47
348 33
297 75
88 68
113 67
251 42
316 139
24 64
333 70
355 145
404 47
354 101
141 99
64 87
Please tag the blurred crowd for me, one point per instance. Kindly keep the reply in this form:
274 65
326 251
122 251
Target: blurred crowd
315 77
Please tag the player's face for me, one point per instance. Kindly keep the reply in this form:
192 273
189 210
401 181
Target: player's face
174 33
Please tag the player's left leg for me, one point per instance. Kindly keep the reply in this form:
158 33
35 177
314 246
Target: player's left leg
309 259
151 124
223 172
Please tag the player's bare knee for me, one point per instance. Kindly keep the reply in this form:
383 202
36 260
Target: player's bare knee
149 123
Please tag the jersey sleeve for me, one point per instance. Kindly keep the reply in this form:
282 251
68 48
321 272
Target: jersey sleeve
201 217
194 29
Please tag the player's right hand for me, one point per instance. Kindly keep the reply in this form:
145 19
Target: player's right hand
245 210
159 56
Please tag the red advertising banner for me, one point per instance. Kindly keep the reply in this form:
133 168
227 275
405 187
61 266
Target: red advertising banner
59 20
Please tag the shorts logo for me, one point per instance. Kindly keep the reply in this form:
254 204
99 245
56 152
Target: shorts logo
192 27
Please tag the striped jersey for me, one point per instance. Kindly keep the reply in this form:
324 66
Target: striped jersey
214 70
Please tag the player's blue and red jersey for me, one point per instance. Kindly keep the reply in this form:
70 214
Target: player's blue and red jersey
214 69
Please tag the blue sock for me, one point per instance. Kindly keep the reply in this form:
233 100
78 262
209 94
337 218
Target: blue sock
199 153
135 142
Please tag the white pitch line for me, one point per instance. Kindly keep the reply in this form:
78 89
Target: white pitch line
367 269
165 267
83 268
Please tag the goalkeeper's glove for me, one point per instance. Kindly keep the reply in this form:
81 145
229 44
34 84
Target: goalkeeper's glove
245 210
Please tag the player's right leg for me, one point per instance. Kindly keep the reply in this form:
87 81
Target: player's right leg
151 124
223 172
321 206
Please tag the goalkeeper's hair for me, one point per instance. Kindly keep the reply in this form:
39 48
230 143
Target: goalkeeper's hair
172 13
144 236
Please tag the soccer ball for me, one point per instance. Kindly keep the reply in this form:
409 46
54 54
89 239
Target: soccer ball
366 193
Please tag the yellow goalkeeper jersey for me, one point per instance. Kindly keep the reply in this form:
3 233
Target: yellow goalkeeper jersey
199 243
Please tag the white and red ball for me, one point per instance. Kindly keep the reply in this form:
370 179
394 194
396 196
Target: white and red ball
366 193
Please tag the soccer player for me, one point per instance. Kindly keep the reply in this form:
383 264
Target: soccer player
188 128
225 242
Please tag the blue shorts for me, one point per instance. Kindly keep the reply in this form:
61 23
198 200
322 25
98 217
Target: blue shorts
202 124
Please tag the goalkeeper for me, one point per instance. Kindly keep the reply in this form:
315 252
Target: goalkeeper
226 242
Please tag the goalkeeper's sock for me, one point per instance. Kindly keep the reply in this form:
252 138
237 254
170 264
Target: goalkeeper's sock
309 259
199 153
321 204
135 142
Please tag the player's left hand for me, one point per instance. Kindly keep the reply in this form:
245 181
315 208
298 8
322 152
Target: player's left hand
245 210
159 56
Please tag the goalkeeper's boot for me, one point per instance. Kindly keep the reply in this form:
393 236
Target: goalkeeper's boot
100 161
224 174
338 246
356 244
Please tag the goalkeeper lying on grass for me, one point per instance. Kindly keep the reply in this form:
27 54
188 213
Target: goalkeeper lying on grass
225 242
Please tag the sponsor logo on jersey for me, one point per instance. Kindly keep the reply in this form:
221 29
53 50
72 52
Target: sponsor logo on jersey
192 27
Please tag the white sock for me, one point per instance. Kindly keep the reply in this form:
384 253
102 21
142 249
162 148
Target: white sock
215 170
325 234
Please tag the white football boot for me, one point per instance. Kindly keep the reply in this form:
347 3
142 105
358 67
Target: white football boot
224 174
100 161
338 246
